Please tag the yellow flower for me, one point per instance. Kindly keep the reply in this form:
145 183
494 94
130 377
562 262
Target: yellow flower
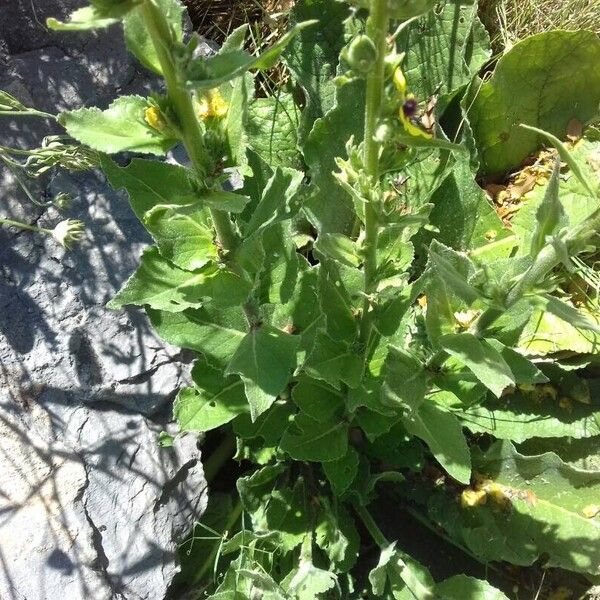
154 118
470 498
400 81
212 105
409 106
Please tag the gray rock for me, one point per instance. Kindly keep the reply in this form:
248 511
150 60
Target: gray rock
91 507
90 503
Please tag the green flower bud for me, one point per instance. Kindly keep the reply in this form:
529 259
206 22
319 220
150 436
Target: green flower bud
360 54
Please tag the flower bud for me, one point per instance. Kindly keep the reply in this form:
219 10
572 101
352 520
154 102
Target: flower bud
360 54
68 232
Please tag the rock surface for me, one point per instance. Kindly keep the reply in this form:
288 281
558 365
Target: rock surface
91 507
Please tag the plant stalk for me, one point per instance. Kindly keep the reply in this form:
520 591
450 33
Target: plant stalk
369 523
181 100
377 29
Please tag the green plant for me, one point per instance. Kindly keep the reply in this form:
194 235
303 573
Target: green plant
363 320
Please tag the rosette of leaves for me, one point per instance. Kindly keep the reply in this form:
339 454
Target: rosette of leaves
356 305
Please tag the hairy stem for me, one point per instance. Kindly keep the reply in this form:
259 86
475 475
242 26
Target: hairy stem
181 100
377 29
23 226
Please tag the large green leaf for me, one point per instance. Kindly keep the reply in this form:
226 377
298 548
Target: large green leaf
335 362
161 285
483 359
537 506
282 510
272 130
462 213
138 38
336 534
521 416
118 128
442 432
443 49
213 401
182 234
265 360
406 380
150 183
545 81
462 587
582 454
313 56
214 333
546 333
330 208
407 579
319 440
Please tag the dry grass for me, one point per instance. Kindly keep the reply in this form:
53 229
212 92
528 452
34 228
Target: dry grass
512 20
267 20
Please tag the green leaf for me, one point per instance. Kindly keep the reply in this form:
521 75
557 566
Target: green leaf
481 358
456 270
462 587
330 208
523 370
273 509
565 312
336 301
338 247
207 73
405 576
549 214
272 130
583 454
118 128
277 202
224 200
542 511
281 263
182 234
544 81
317 400
88 17
442 53
214 333
405 380
334 362
336 534
307 582
323 44
265 360
317 440
150 183
213 401
442 432
138 39
341 472
521 416
545 333
462 213
160 285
